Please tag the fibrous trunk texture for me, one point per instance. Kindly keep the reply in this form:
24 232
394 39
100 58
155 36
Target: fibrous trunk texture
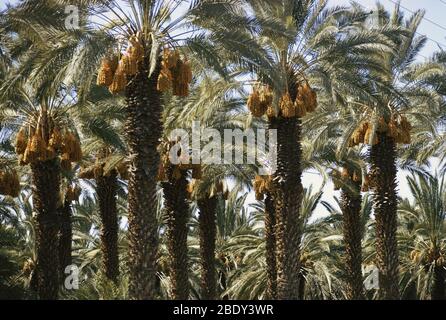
143 130
302 283
46 185
65 238
208 232
383 171
438 286
177 212
351 216
287 193
270 239
106 188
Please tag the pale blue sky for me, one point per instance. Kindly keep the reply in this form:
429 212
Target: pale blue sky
435 11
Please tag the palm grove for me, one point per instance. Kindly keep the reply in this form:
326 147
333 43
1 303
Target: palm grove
86 180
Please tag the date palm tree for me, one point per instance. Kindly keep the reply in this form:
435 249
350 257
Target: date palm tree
318 277
351 209
424 218
349 175
215 102
396 94
46 142
144 31
100 117
106 170
176 207
16 23
305 51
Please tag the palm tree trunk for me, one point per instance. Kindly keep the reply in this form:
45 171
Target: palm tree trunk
410 292
177 210
287 193
208 232
438 286
302 283
65 238
106 188
383 171
143 129
270 239
46 185
351 213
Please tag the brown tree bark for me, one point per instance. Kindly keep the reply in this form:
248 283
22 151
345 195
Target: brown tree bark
177 211
106 189
270 239
352 230
287 193
302 283
46 186
383 172
439 283
143 130
65 238
208 232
